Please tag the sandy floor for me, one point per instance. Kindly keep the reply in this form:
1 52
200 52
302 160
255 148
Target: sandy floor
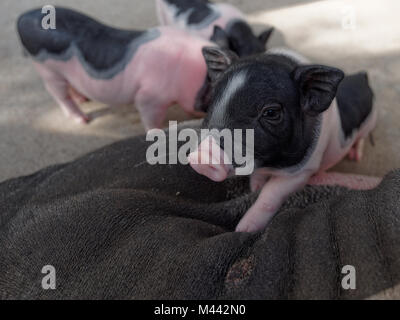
34 133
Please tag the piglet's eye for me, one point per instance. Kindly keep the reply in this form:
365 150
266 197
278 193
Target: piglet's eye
272 113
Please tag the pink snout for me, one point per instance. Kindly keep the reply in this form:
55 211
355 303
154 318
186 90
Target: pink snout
210 160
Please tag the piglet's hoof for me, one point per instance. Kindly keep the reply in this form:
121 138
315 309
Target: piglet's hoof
77 96
81 119
357 151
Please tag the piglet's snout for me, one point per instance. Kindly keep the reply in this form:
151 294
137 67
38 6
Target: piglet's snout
211 161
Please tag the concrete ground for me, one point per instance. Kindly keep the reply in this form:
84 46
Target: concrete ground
351 34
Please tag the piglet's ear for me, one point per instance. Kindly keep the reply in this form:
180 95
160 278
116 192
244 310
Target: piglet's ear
220 37
264 37
317 87
218 60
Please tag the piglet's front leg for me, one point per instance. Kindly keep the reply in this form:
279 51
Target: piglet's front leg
271 198
258 181
152 109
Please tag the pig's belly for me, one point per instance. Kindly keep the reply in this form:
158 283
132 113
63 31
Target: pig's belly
113 91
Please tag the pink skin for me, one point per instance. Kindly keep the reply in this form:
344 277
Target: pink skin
168 70
350 181
166 17
77 96
208 160
276 185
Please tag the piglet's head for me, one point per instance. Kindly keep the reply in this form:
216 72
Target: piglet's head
277 100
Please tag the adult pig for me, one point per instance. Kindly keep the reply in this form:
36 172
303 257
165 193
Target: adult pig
220 22
153 69
305 118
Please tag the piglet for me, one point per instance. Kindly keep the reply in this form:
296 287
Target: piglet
153 69
222 23
306 118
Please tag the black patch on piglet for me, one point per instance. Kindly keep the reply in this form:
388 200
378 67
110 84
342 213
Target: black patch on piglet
101 47
199 10
355 102
220 37
317 87
243 41
203 98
